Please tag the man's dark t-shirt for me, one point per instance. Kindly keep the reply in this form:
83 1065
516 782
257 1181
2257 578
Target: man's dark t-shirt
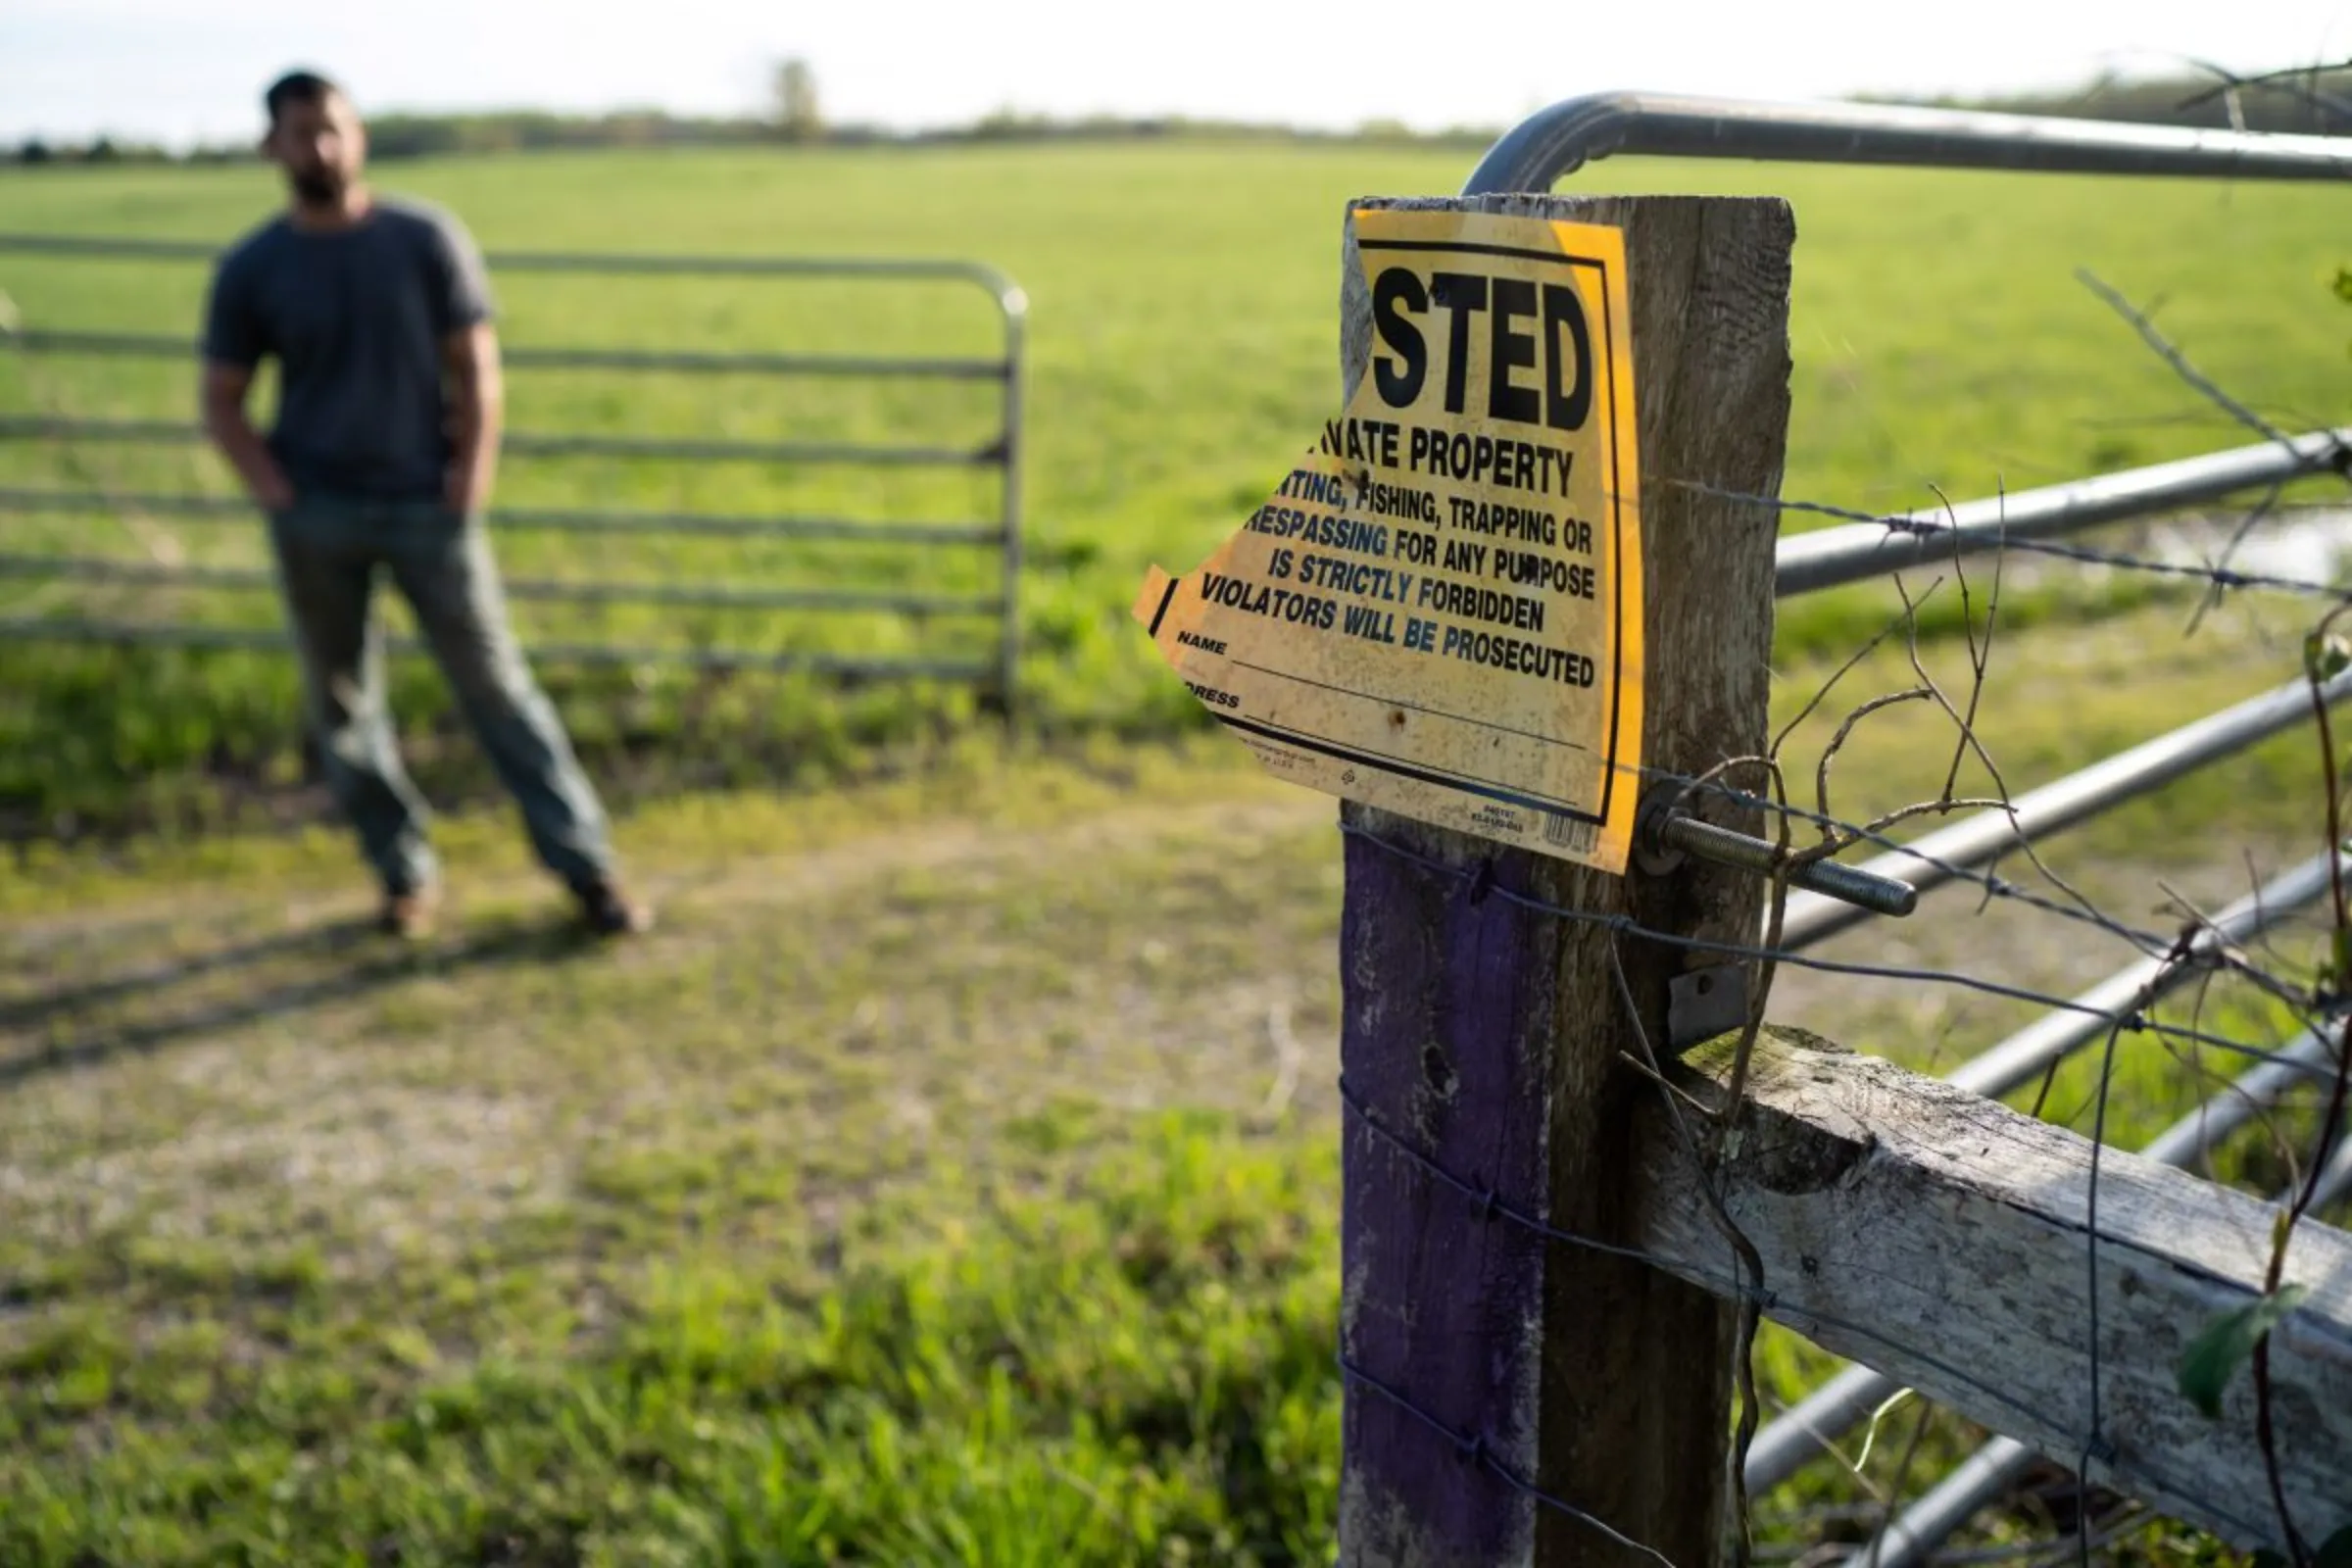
354 318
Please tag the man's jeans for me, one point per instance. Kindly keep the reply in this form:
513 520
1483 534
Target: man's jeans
329 552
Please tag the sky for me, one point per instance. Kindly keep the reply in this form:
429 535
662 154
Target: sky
182 72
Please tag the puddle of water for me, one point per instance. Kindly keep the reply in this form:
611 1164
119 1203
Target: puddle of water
2311 545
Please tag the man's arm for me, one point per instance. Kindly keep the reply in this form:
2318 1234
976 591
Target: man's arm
225 389
462 315
477 413
234 342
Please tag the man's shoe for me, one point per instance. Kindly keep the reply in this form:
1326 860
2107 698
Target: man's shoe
409 915
608 911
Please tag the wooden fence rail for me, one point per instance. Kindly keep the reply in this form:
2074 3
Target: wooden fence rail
1946 1241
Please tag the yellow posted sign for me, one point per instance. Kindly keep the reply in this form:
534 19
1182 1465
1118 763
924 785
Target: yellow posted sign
1439 610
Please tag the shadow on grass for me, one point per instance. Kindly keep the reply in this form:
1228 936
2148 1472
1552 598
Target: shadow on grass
379 961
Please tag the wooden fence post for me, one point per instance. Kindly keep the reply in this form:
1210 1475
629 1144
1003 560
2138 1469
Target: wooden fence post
1489 1036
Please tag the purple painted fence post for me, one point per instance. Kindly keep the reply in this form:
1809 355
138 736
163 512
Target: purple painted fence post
1492 1038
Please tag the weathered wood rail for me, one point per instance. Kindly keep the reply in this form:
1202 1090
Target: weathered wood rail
1946 1241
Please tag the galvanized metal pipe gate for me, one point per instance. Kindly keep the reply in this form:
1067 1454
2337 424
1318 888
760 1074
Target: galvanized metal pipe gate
999 674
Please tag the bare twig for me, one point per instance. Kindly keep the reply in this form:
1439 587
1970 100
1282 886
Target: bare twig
1992 770
1821 695
1846 836
2171 356
1665 1085
1894 1488
1967 730
2282 80
1829 752
1759 989
1979 657
2225 957
2319 654
2211 599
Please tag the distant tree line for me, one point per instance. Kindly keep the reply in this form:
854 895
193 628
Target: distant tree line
2315 100
2311 100
396 136
34 150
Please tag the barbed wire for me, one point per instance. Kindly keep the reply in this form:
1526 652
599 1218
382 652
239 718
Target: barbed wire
2166 350
2083 554
2134 1021
2211 953
1473 1447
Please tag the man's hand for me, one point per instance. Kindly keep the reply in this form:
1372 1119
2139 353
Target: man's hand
223 400
461 492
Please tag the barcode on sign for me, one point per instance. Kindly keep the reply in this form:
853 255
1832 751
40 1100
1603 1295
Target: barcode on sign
1570 834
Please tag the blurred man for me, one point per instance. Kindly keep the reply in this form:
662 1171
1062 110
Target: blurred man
379 315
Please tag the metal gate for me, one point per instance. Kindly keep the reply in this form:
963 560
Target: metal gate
989 661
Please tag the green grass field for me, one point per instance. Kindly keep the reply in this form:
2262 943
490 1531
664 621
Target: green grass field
1182 302
951 1178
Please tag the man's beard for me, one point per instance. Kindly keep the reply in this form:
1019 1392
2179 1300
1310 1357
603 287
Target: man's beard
319 187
